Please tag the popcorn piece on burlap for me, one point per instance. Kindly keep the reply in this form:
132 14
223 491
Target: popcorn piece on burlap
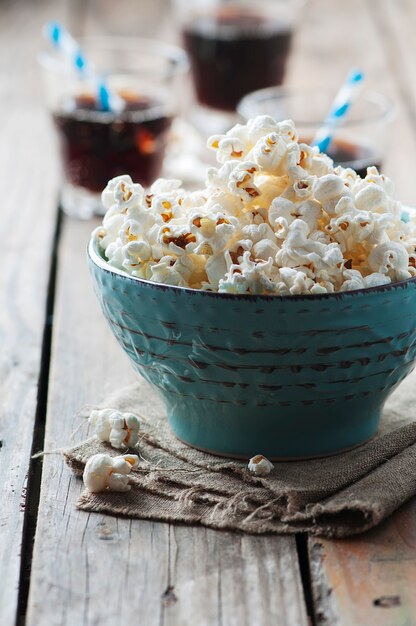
334 496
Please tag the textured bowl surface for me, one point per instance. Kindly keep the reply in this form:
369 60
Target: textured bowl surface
286 377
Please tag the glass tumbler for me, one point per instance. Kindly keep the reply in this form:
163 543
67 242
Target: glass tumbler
235 47
98 144
358 142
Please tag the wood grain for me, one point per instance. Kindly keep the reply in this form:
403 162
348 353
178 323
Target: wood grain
29 180
358 582
95 569
228 579
368 579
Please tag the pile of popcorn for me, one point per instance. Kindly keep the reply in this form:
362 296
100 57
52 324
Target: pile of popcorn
276 217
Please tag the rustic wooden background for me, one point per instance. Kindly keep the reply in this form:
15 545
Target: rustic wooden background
60 566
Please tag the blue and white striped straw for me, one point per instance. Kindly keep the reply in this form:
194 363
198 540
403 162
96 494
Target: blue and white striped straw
339 109
63 41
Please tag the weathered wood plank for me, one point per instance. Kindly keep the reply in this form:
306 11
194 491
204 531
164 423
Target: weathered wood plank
28 179
369 579
94 568
359 581
225 578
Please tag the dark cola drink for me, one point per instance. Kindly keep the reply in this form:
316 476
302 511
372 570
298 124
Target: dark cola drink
98 145
352 155
233 52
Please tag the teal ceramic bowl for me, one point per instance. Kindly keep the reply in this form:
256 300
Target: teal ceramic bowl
287 377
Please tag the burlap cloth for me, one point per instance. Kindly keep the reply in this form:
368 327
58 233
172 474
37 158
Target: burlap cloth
334 496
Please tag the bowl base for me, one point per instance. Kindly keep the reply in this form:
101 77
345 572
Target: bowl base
280 433
276 459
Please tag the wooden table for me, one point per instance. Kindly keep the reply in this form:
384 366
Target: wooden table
62 566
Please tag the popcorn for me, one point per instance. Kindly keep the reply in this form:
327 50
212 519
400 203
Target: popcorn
352 280
328 190
241 181
212 231
227 147
100 420
126 193
303 188
355 280
297 281
265 249
124 432
376 280
370 198
260 466
390 258
275 217
260 126
216 267
283 212
298 249
105 473
269 154
136 255
121 430
165 272
248 277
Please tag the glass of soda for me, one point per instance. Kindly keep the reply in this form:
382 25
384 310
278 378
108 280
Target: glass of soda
235 47
359 142
96 144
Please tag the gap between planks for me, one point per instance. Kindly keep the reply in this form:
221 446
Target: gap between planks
32 495
28 170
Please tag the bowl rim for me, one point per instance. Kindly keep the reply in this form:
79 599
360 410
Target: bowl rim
98 261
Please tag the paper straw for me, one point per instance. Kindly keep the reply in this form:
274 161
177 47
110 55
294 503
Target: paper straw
63 41
339 109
